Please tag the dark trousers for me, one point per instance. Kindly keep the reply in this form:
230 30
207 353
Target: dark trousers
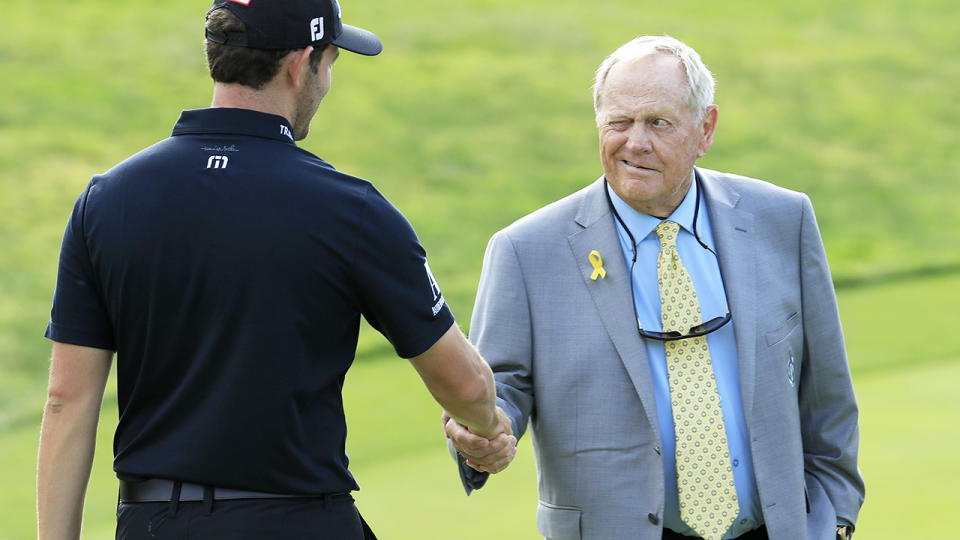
756 534
241 519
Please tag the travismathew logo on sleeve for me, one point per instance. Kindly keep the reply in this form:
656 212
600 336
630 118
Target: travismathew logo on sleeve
438 300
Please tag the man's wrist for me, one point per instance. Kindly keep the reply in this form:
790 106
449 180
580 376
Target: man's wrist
500 424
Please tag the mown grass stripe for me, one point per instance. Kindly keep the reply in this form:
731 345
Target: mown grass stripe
907 274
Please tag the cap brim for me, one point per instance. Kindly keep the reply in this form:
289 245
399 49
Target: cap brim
359 41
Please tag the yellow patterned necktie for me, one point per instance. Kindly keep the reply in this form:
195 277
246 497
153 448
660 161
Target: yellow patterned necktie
707 495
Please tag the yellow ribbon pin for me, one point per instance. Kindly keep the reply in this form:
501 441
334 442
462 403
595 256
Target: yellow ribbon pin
597 263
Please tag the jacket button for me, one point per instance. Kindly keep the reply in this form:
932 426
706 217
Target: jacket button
657 450
653 518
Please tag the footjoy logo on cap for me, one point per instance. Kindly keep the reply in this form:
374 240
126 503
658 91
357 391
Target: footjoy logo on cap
241 2
316 29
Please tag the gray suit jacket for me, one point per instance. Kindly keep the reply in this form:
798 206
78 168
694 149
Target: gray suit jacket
567 357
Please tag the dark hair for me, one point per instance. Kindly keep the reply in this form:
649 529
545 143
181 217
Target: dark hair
244 65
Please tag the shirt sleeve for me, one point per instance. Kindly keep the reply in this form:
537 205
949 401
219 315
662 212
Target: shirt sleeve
78 316
399 295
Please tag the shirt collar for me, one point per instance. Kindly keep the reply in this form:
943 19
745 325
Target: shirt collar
234 122
642 225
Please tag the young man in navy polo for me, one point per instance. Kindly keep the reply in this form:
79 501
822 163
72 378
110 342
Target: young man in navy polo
228 269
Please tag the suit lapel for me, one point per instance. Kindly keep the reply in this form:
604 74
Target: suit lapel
733 233
611 294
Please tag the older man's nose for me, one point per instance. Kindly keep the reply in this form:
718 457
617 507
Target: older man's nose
638 138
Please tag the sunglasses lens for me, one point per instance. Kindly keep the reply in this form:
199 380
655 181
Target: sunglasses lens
697 331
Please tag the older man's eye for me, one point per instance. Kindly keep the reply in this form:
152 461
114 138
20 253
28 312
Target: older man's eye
660 122
619 125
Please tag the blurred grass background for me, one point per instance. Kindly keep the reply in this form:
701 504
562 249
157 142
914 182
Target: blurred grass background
478 112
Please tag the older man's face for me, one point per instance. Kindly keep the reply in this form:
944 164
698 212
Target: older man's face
649 136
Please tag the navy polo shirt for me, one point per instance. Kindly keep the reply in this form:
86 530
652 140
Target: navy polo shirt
228 269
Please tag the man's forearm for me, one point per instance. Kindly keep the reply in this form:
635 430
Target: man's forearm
68 435
67 441
479 414
461 382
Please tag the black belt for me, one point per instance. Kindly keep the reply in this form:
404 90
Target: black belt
158 490
756 534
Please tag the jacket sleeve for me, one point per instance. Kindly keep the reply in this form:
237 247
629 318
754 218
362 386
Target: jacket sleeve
828 407
501 330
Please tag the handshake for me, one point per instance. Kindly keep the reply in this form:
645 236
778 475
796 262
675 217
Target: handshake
490 451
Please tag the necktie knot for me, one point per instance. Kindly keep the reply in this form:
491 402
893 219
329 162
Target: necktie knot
667 233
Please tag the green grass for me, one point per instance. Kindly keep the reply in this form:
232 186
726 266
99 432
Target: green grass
477 113
909 455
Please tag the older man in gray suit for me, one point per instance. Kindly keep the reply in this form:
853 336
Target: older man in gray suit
671 333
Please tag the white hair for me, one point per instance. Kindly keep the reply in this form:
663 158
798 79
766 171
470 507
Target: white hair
700 81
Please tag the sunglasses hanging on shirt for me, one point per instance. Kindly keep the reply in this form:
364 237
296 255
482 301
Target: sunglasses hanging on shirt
699 330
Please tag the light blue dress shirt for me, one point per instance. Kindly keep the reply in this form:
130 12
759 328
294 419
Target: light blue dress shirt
704 270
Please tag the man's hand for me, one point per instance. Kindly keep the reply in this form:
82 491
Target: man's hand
484 455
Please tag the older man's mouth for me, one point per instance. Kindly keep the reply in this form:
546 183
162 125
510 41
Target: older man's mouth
637 165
